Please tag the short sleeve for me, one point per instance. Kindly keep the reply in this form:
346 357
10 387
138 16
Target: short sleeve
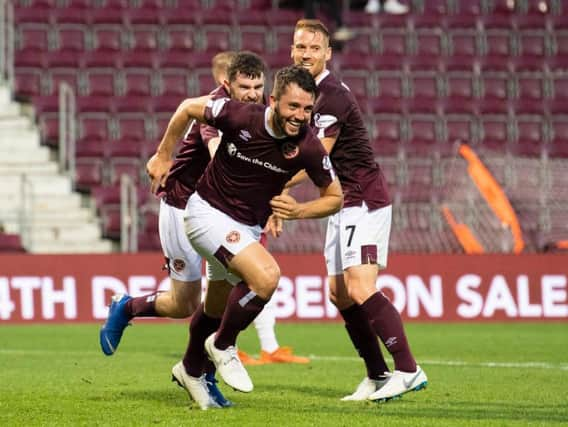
318 164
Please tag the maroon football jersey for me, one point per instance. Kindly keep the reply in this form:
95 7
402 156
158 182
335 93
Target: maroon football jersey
251 165
191 161
336 112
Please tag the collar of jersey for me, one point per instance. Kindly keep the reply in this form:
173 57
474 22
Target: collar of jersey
267 125
322 76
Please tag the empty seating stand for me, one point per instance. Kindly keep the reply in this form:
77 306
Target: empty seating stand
491 73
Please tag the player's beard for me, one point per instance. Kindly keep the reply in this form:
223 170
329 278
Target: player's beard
280 121
233 95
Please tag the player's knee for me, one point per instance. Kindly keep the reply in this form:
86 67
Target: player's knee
272 278
267 281
357 294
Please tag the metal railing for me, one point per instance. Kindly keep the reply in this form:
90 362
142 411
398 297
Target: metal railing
7 43
25 223
67 130
128 214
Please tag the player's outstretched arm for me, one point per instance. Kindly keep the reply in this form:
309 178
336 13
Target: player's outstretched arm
330 201
159 164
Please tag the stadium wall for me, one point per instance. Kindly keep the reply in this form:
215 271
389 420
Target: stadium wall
455 288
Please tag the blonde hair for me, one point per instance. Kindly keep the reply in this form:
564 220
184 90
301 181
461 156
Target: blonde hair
312 25
220 64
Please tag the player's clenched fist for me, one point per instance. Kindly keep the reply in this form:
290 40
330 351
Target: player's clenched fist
158 167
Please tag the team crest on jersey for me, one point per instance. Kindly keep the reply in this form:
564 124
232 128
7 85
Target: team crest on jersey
245 135
290 150
231 149
233 237
178 264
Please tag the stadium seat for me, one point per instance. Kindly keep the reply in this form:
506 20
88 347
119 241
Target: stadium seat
423 135
459 127
71 76
495 134
137 81
393 41
108 37
71 37
101 82
110 215
464 42
125 165
386 134
133 126
28 83
11 243
144 37
460 84
530 135
253 38
89 173
33 37
94 126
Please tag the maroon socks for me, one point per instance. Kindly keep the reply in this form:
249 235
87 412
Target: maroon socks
387 324
195 359
243 305
142 306
365 341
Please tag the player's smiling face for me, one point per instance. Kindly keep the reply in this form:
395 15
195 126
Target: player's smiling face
246 89
311 50
292 110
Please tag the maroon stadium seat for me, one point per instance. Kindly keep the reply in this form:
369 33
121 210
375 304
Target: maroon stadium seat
423 136
180 37
94 126
108 37
144 37
110 215
495 133
459 127
386 134
32 37
71 37
28 82
133 126
101 82
89 172
49 127
124 166
530 135
11 243
253 38
137 81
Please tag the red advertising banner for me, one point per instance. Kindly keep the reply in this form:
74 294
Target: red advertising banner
77 288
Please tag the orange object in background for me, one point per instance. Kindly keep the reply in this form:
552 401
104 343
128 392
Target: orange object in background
494 195
464 235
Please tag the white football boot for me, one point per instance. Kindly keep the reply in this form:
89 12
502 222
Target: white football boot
196 387
365 389
399 383
229 365
395 8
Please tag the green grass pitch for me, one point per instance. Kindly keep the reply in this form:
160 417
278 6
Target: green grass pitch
479 375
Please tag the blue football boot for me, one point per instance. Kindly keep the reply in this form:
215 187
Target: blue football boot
117 320
214 391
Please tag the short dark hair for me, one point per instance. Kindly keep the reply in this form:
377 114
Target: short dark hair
248 64
313 25
293 74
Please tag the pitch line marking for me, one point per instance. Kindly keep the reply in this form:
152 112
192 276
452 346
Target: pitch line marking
512 365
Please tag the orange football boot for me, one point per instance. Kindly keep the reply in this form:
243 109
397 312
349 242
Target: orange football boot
282 355
249 360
